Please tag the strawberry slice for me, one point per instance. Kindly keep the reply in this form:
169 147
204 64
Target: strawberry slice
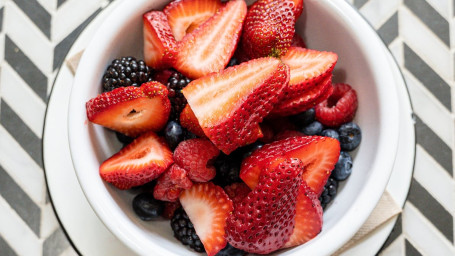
318 155
210 46
230 104
308 217
131 110
139 162
186 15
339 108
268 28
189 121
208 207
263 221
298 8
160 47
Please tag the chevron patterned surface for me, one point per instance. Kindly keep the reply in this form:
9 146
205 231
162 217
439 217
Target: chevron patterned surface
35 36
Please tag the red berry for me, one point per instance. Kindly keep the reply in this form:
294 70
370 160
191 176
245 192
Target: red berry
288 134
189 121
339 108
169 209
169 185
237 192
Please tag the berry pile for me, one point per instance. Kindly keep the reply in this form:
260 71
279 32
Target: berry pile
234 133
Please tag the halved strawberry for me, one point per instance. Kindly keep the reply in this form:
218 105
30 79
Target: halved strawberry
210 47
318 155
186 15
141 161
169 185
339 108
160 47
230 104
308 217
268 28
264 220
131 110
297 41
208 208
189 121
298 8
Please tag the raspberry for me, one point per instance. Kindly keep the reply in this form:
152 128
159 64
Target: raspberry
339 108
126 71
171 183
196 156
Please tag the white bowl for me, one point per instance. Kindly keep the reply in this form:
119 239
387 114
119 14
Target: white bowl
326 25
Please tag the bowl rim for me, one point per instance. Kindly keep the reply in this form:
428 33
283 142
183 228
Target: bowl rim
355 216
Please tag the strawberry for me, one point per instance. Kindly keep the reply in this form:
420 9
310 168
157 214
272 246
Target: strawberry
208 207
169 209
189 121
131 110
297 41
308 217
237 192
139 162
160 47
210 46
318 155
304 100
268 28
288 134
230 104
267 133
186 15
196 156
169 185
339 108
263 221
298 8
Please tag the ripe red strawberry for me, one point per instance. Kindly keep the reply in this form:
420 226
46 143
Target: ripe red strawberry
210 46
230 104
169 185
304 100
298 8
308 68
186 15
169 209
308 217
208 207
237 192
297 41
288 134
268 28
131 110
160 47
339 108
264 220
139 162
189 121
318 155
197 157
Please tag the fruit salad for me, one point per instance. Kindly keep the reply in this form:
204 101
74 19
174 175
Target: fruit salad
231 126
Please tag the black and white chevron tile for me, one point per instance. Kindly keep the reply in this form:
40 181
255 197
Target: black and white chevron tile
35 36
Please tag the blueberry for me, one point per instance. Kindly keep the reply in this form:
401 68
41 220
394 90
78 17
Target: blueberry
229 250
173 134
330 133
146 207
343 167
350 136
305 118
314 128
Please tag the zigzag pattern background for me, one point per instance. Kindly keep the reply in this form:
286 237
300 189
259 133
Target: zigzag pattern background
35 36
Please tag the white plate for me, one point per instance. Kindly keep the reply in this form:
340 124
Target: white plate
85 229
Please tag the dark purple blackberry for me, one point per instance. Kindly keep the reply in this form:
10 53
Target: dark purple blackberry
227 169
229 250
175 84
329 192
184 230
126 71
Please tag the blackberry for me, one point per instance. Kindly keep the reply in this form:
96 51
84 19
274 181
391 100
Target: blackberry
329 192
126 71
175 84
229 250
227 169
184 230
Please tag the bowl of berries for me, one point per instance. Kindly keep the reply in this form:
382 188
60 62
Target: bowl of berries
234 127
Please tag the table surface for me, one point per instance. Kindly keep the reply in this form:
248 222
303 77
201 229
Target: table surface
35 36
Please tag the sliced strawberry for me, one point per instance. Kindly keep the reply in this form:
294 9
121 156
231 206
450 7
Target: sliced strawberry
189 121
230 104
288 134
304 100
210 47
141 161
169 185
160 47
131 110
263 221
186 15
308 68
297 41
208 207
308 217
339 108
298 8
169 209
268 28
197 157
318 155
237 192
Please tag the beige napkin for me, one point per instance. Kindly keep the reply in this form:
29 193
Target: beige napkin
385 210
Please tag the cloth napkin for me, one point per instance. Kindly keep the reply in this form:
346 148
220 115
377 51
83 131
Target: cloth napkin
385 210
